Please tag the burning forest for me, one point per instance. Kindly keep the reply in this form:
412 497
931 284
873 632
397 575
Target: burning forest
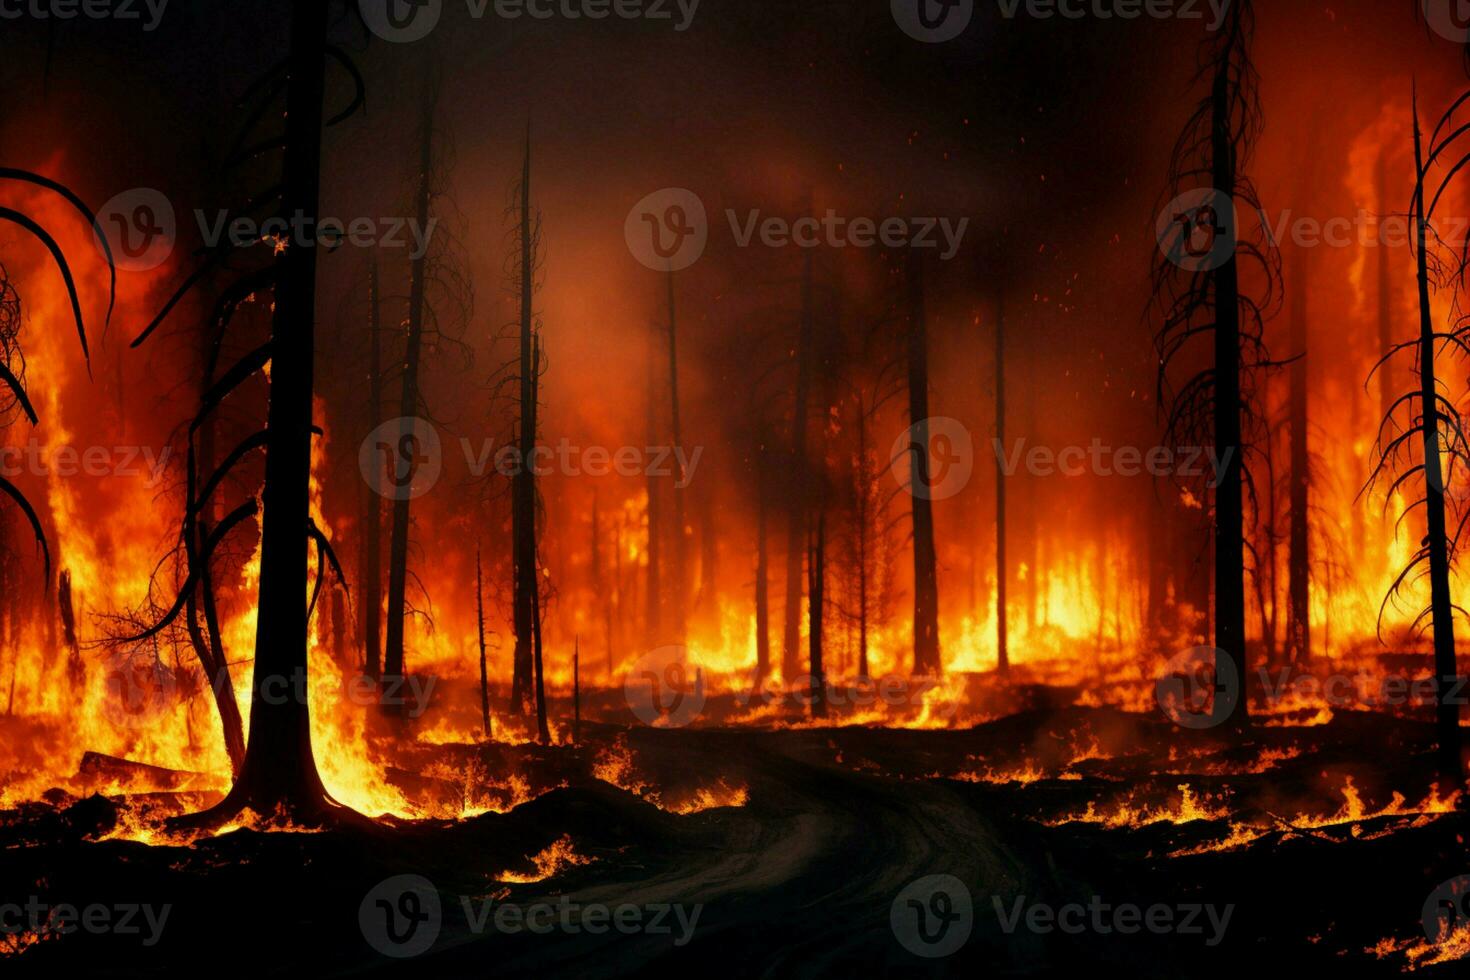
569 487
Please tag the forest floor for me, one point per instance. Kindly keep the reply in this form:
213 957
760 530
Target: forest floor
1066 839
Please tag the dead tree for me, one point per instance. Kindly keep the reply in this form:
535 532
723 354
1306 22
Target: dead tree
393 653
762 576
927 661
816 571
484 668
372 526
680 598
278 774
12 360
654 592
1002 565
537 603
1298 562
797 503
1198 294
523 483
1428 418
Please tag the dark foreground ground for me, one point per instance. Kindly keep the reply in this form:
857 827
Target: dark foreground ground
823 871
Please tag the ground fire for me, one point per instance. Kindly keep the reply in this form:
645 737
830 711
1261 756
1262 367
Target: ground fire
736 488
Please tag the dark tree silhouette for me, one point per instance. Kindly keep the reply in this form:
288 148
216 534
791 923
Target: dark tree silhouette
12 360
927 660
1198 294
1426 418
371 551
1002 565
797 503
816 590
408 407
278 775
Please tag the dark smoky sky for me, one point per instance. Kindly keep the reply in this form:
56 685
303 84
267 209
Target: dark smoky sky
1050 135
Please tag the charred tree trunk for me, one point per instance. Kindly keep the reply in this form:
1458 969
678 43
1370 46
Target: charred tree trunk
680 596
1441 605
480 629
1002 567
207 641
817 571
1298 626
76 673
393 653
762 578
523 486
372 525
654 593
1229 537
797 503
279 773
864 518
926 579
534 573
576 689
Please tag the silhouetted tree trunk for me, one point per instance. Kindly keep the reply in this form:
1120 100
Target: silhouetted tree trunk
534 583
523 486
279 772
480 629
797 503
926 579
816 569
1229 516
1441 605
654 594
372 525
680 596
1002 567
762 577
863 533
393 653
75 672
1298 625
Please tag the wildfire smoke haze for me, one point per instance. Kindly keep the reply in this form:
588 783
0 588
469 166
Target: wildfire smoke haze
574 487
